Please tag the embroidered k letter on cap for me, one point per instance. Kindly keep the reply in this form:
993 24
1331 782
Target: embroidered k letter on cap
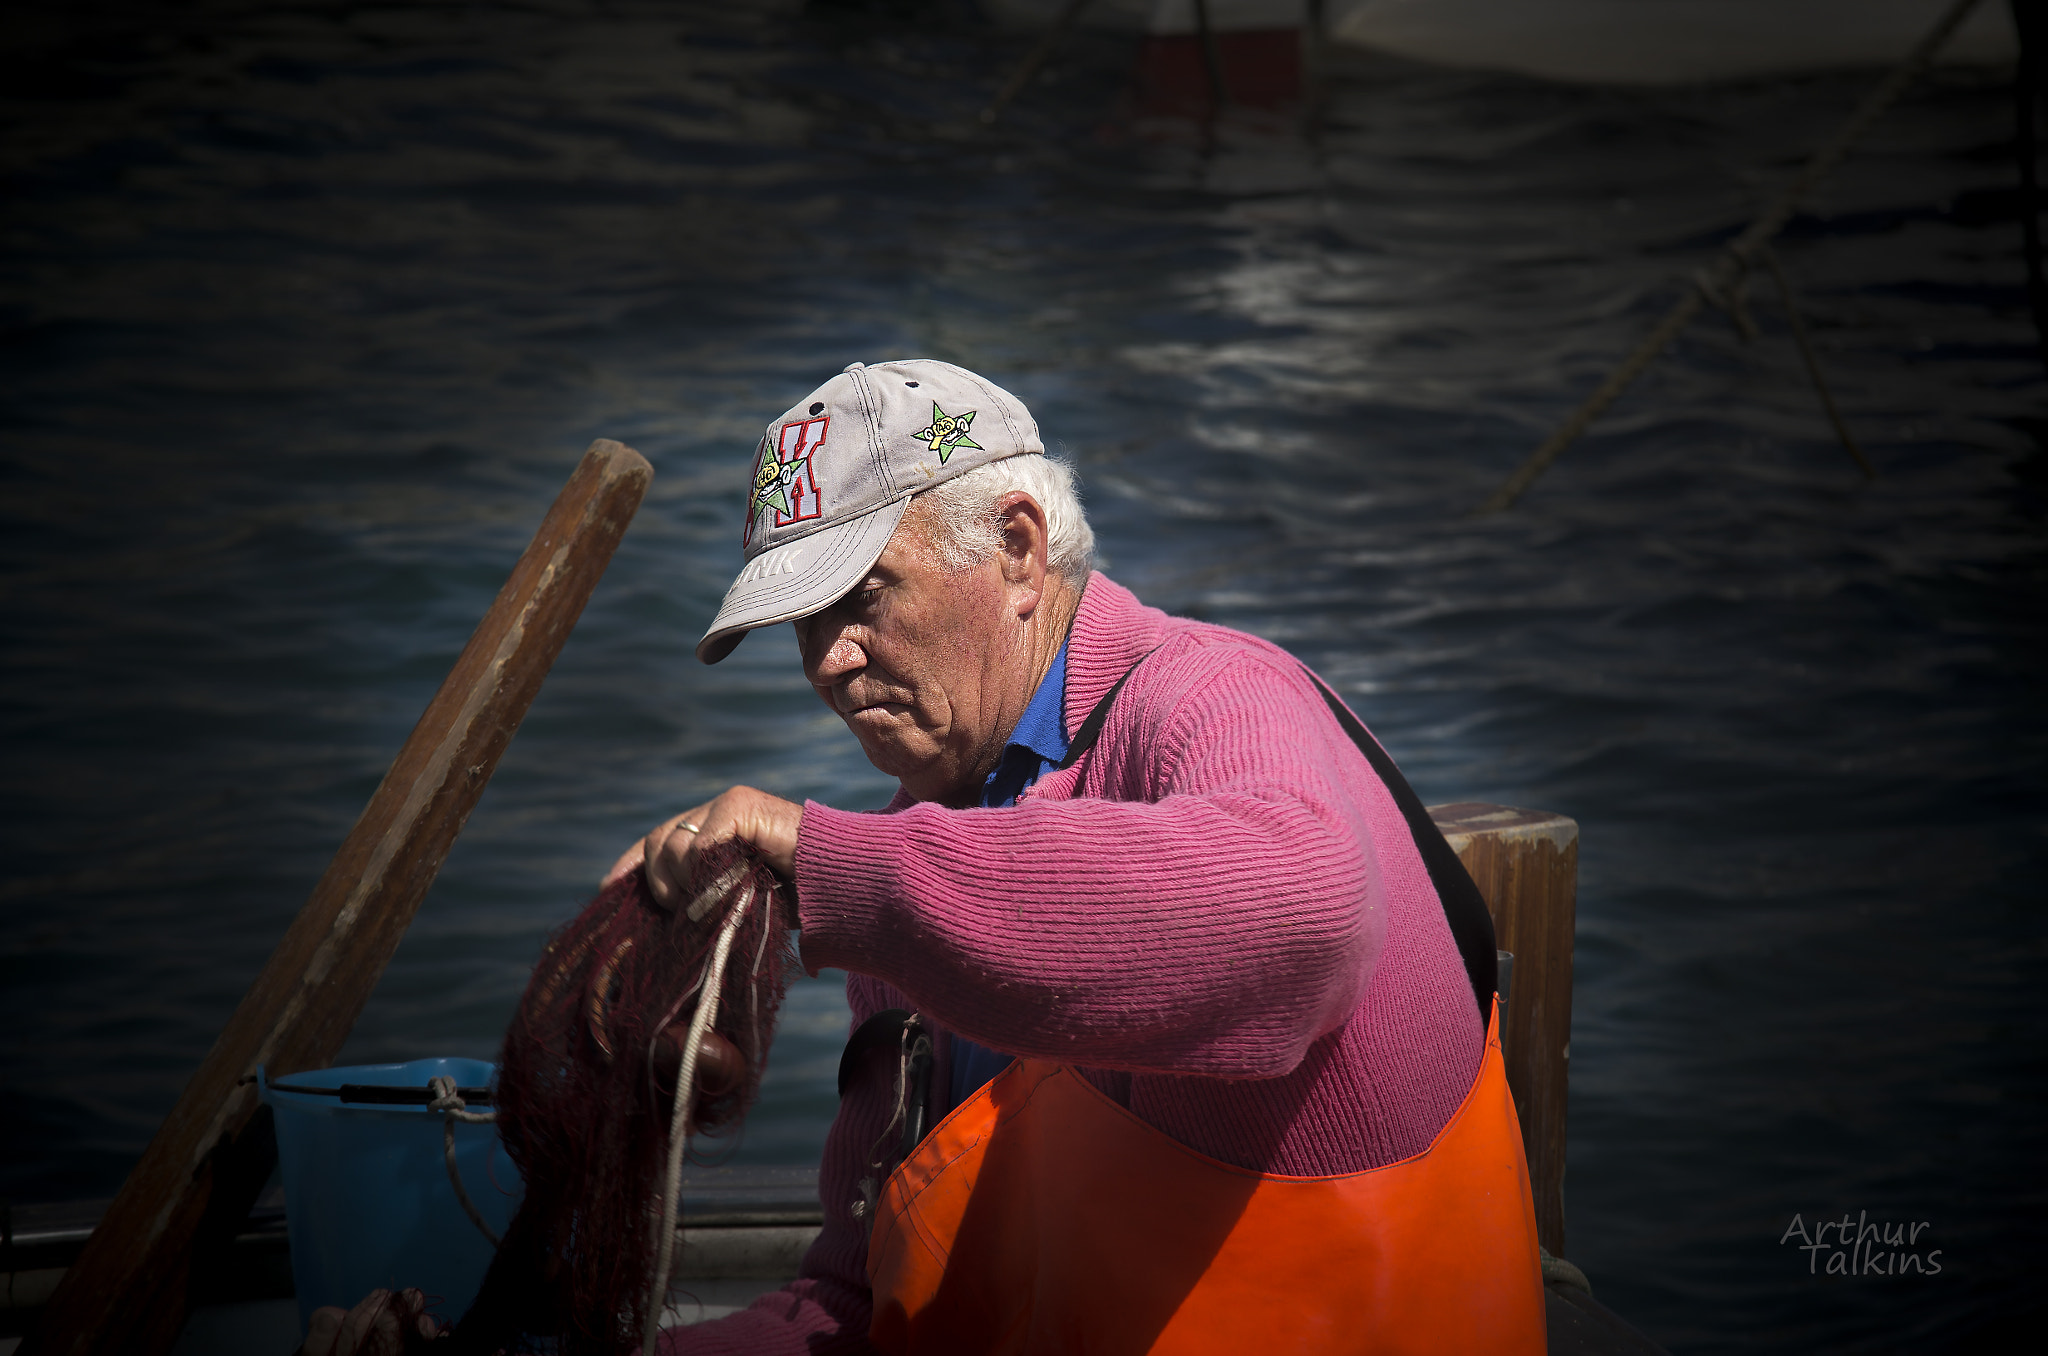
833 476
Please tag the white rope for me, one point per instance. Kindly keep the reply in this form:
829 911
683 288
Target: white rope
1557 1271
679 1118
711 893
449 1104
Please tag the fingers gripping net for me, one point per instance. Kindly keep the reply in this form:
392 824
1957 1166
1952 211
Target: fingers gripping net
586 1091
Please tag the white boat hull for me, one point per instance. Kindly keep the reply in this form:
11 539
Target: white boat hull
1152 16
1644 42
1652 42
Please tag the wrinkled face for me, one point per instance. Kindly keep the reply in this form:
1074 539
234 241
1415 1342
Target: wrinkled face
927 666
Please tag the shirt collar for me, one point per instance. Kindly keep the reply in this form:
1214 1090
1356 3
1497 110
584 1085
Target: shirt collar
1041 728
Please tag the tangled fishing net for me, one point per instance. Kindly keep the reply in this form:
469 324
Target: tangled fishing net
587 1103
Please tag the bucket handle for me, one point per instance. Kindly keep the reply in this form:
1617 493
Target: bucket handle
447 1100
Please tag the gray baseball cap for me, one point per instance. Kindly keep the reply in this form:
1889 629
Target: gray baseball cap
833 476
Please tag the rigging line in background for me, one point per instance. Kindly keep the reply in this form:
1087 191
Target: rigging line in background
1735 261
1029 66
1315 57
1212 62
1820 386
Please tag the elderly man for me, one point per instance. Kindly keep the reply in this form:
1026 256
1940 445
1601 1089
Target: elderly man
1208 1009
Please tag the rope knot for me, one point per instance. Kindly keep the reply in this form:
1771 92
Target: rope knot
449 1104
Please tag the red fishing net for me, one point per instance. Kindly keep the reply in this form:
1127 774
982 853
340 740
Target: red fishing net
585 1090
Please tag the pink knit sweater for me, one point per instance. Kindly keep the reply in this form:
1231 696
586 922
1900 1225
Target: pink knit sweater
1218 916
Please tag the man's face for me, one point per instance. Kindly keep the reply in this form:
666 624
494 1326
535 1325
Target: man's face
925 665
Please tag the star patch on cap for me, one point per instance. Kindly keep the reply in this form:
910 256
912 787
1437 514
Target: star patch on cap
785 484
947 431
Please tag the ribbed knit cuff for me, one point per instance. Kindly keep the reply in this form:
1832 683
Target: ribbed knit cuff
845 882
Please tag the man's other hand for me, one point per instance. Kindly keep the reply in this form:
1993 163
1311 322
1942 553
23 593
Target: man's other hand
768 822
383 1324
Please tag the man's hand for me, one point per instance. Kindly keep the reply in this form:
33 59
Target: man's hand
768 822
384 1324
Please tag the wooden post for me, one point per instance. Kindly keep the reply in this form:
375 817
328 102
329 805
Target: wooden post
1526 864
127 1293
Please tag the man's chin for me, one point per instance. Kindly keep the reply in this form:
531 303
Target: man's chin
916 768
890 754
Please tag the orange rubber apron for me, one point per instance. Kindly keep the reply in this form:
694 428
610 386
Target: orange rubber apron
1042 1217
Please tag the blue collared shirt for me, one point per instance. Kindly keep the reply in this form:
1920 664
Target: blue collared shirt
1035 747
1037 744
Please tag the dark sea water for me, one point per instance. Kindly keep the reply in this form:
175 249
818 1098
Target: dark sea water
309 309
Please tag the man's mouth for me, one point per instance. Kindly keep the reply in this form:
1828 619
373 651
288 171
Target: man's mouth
850 707
876 710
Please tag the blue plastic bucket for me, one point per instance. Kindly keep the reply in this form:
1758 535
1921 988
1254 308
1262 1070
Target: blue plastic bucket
366 1191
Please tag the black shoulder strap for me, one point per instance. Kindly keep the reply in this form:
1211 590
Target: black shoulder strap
1464 906
1091 728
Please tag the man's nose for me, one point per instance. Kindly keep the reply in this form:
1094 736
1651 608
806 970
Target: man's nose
830 657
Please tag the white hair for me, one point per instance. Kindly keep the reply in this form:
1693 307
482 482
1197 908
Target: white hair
966 530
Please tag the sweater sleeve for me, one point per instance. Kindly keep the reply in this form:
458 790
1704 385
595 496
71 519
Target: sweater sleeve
1212 907
825 1311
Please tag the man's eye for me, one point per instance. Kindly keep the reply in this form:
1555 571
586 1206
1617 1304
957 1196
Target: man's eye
867 596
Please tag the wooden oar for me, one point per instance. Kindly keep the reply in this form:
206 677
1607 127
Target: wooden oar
127 1293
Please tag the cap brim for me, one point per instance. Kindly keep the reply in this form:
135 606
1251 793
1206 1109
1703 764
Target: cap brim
827 563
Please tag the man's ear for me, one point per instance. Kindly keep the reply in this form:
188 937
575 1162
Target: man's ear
1027 540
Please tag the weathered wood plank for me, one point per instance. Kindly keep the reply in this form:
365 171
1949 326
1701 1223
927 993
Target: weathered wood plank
1526 864
127 1293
